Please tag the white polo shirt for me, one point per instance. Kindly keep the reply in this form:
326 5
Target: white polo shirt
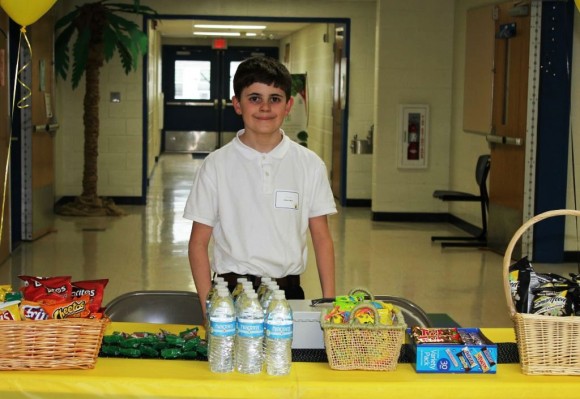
259 205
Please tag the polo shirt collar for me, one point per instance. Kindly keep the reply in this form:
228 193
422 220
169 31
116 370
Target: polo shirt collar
277 152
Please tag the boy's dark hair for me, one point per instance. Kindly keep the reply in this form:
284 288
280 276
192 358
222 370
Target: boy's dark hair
265 70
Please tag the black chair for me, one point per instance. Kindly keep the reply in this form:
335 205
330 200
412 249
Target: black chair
480 240
158 307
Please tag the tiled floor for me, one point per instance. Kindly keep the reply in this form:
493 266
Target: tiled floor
147 250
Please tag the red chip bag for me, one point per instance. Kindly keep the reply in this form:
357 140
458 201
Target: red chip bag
95 289
55 289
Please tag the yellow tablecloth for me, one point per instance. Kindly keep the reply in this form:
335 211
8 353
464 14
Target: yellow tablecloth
139 378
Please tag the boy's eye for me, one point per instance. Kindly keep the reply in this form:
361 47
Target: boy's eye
254 99
275 99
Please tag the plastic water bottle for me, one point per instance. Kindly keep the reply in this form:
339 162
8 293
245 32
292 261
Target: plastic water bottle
212 294
268 295
279 324
247 286
263 287
249 347
222 332
211 298
239 287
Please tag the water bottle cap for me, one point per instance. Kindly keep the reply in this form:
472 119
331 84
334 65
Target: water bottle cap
266 280
219 279
221 284
251 295
279 294
242 279
247 284
273 285
223 292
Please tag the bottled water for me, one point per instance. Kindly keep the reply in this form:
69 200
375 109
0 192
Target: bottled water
278 337
239 287
247 286
250 334
211 298
268 295
218 282
222 332
263 287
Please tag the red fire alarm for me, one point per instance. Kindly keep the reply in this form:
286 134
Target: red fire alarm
219 44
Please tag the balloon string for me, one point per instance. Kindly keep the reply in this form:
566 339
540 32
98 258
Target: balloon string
21 104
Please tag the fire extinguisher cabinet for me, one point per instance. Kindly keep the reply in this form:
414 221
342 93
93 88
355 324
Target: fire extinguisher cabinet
413 133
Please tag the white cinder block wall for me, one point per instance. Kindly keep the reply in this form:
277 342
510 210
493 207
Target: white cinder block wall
414 52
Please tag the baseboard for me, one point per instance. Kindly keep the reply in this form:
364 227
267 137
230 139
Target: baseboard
117 200
358 203
571 256
425 217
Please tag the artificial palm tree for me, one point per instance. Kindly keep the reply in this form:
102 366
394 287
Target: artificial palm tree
100 30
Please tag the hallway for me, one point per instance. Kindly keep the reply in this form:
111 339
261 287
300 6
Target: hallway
147 250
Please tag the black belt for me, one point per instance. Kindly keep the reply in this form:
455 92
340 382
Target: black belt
292 280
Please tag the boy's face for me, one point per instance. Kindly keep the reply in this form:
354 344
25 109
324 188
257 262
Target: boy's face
262 107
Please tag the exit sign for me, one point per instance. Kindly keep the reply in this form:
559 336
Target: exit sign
219 44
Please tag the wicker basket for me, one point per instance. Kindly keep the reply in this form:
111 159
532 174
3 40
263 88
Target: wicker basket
50 344
373 347
546 344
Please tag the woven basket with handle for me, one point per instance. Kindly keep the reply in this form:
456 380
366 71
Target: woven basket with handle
546 344
352 346
72 343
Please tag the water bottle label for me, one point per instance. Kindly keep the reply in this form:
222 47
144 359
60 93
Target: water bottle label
279 329
250 328
222 327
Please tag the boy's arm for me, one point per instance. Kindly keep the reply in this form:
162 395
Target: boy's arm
324 253
199 260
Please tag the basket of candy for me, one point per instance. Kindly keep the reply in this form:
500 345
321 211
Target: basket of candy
545 310
363 334
45 326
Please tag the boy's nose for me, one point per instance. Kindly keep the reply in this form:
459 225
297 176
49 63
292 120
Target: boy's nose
265 106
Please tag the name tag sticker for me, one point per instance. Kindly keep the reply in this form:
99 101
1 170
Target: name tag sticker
286 199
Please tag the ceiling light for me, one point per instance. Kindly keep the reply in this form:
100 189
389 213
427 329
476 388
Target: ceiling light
242 27
251 34
216 33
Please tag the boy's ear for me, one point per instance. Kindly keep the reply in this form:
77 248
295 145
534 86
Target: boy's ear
289 104
236 104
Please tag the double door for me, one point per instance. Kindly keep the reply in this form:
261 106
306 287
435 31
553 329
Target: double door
197 86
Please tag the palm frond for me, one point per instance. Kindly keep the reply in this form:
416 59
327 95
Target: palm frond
67 19
140 39
123 46
132 9
80 54
109 42
61 57
122 23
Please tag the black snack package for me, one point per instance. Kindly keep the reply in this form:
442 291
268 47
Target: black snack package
522 278
551 300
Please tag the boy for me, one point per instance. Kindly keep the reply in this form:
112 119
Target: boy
259 194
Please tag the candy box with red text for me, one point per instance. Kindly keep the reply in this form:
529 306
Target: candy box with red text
452 350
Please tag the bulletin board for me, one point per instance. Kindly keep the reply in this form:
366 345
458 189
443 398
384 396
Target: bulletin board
479 59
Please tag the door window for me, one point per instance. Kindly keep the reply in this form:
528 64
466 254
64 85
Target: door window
192 80
233 68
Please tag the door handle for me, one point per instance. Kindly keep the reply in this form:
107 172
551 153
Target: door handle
492 138
224 103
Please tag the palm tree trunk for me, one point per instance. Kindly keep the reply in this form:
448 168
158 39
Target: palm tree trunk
91 123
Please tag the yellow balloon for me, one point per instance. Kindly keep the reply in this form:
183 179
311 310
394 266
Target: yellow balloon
26 12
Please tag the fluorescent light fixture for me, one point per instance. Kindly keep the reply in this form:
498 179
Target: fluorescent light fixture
216 33
237 27
251 34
